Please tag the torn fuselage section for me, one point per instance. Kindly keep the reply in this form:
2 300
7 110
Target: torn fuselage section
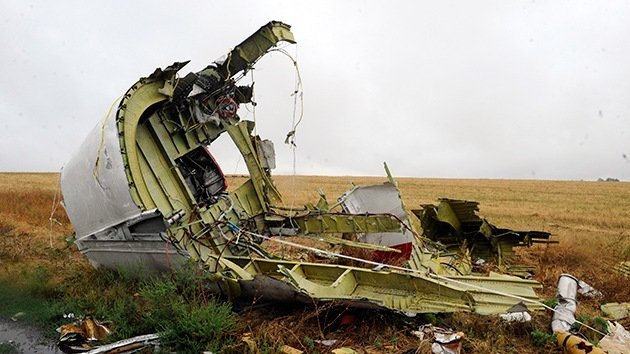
153 159
383 198
455 223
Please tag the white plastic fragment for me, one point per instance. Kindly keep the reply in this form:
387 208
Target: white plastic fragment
587 290
517 313
618 341
17 316
326 342
516 316
445 341
418 334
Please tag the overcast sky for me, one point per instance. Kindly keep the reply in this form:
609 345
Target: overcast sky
454 89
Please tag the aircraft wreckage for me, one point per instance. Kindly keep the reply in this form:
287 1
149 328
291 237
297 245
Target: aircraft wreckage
143 188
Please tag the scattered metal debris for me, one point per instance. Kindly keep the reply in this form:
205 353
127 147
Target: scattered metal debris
516 317
623 268
145 189
454 223
587 290
326 342
17 316
86 335
251 344
130 345
444 341
82 335
518 313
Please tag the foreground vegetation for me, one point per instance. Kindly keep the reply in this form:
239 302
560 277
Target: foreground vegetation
42 275
178 306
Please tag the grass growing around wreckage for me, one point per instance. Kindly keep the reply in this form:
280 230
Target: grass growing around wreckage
177 306
590 219
185 315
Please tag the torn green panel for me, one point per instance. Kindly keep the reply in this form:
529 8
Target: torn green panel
409 292
455 222
338 223
341 241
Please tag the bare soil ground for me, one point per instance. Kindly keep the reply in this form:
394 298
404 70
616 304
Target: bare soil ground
590 220
24 338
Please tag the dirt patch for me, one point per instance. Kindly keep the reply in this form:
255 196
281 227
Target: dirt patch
25 338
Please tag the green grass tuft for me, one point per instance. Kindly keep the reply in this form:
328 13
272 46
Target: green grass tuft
179 307
542 338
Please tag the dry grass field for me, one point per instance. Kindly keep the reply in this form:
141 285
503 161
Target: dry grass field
591 220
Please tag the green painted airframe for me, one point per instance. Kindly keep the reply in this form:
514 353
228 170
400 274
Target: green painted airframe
145 177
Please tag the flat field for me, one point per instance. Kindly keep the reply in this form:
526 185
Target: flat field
591 221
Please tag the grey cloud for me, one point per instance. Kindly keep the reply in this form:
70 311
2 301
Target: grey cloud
487 89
